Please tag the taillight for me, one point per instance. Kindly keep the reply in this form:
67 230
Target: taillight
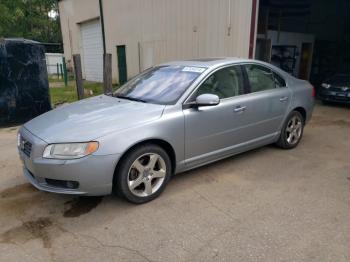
313 91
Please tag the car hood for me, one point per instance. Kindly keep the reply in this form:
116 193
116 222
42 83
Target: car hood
91 118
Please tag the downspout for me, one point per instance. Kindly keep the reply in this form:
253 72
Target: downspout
102 27
279 25
252 29
229 19
139 53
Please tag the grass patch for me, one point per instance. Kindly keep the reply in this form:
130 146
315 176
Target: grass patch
60 95
68 94
54 78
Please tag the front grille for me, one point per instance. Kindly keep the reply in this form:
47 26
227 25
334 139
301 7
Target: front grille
62 183
26 147
339 89
340 98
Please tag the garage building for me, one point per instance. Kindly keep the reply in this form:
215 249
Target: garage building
307 38
141 33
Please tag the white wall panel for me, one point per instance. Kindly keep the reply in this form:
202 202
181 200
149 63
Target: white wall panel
92 50
172 29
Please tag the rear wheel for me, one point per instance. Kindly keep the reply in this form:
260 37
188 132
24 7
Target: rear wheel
292 131
143 174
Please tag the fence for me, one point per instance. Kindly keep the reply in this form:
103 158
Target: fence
52 59
56 65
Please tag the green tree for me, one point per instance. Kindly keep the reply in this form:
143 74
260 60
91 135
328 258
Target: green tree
30 19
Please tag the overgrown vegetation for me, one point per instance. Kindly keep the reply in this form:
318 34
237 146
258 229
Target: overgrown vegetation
68 94
32 19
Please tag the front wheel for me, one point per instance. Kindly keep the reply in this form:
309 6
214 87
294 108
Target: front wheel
292 131
143 174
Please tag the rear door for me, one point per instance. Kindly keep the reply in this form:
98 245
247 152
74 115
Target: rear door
266 102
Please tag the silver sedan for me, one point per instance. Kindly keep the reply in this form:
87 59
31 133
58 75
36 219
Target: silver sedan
168 119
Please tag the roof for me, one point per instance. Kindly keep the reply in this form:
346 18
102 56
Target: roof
208 62
216 62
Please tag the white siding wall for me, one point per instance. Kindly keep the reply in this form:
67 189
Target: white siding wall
164 29
52 59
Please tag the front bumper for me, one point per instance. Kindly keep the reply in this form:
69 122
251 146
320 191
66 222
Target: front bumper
335 96
93 174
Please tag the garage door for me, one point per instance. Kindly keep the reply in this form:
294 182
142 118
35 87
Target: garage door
92 50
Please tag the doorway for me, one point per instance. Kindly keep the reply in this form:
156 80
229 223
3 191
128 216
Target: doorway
122 70
263 50
306 50
92 50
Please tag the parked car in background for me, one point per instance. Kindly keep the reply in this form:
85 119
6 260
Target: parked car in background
169 119
336 89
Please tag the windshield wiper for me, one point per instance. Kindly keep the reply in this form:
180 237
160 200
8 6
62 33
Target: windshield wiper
131 98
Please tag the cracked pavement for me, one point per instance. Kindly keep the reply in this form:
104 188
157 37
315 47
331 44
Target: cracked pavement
264 205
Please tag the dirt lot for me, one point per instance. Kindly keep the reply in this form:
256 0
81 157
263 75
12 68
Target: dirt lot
264 205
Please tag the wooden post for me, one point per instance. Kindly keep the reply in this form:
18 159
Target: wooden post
78 76
58 71
107 73
61 66
64 71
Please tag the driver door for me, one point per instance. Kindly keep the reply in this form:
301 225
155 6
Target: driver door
210 130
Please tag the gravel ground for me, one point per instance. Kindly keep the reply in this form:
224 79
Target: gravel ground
264 205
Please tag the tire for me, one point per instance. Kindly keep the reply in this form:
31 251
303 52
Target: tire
142 174
294 123
326 103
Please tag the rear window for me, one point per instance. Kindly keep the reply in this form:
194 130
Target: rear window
279 81
260 78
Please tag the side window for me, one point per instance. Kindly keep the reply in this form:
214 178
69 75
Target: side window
279 81
224 83
260 78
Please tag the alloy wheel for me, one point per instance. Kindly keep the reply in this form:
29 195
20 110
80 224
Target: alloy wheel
146 175
294 130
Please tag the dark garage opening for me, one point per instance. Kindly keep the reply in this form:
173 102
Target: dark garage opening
308 38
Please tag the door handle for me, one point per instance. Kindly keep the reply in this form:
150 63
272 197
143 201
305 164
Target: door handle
239 109
284 98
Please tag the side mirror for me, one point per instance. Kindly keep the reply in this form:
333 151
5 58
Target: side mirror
207 100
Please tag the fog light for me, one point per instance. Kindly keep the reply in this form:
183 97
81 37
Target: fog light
62 183
72 184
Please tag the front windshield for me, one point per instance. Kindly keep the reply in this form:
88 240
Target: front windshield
160 85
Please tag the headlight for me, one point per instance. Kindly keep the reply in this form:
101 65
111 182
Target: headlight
70 151
325 85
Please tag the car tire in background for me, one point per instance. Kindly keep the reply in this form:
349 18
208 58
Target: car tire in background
292 131
326 103
142 174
